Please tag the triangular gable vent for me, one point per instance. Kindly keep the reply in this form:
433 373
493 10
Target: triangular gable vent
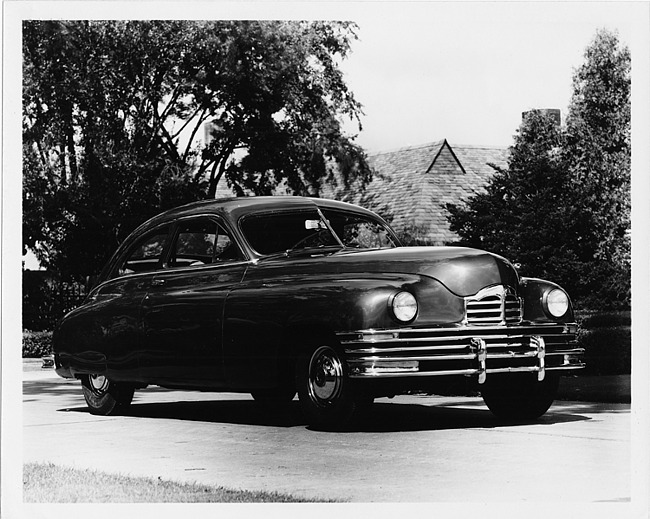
446 162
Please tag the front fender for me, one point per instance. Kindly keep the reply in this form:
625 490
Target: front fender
534 292
267 321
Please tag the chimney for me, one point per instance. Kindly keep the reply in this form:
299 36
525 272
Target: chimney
554 113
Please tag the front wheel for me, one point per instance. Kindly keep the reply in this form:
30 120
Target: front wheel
519 396
324 391
105 397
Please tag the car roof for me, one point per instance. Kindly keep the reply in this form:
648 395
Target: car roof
234 208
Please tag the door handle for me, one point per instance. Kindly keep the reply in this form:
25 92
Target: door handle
158 282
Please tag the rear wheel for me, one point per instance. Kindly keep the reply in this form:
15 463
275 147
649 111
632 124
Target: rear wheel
105 397
519 396
324 391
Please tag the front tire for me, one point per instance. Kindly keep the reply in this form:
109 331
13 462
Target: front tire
105 397
519 396
324 390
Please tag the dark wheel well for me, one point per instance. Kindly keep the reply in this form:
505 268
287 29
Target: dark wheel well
307 336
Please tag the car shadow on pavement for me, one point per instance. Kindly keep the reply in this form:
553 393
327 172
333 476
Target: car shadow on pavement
382 416
237 411
393 417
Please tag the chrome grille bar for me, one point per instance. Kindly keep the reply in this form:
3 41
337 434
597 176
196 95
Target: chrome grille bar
467 372
493 305
476 350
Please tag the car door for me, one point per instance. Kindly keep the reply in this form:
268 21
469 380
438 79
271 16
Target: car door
113 330
182 312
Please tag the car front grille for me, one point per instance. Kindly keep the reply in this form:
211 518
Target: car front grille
493 305
462 350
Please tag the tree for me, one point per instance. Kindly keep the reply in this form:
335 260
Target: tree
524 213
561 207
113 111
597 154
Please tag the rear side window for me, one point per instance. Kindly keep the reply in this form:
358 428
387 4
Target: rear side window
146 254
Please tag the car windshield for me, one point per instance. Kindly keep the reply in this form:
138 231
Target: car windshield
359 231
287 231
292 232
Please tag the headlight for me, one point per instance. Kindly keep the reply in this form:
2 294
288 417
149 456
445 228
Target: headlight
557 302
404 306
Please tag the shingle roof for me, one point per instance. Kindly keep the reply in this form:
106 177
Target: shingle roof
413 184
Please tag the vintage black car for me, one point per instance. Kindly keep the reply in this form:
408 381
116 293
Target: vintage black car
278 295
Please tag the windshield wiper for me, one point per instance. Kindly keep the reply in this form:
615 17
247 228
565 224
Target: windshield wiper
314 250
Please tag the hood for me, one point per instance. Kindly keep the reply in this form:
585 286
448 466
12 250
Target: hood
463 271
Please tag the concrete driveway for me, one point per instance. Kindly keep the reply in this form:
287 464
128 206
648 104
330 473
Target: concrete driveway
409 449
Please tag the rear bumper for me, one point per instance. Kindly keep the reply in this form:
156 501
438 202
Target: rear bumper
463 350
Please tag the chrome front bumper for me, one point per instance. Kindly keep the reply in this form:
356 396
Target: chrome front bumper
463 350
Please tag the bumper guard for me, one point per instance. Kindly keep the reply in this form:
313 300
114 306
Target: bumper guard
464 350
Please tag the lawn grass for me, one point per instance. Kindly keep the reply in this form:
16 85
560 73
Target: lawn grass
49 483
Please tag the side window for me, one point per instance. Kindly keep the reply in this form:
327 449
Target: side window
202 241
194 243
146 254
227 249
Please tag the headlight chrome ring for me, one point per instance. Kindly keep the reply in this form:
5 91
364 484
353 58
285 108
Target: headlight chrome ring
404 306
556 302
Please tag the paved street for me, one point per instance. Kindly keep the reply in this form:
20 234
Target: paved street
410 449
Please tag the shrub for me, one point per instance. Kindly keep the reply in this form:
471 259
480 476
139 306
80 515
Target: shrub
591 320
46 299
36 344
607 340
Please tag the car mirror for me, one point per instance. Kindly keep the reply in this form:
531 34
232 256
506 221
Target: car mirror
314 224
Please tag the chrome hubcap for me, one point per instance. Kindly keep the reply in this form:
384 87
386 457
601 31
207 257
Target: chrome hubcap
98 383
325 376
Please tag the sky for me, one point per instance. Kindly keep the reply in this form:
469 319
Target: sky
465 71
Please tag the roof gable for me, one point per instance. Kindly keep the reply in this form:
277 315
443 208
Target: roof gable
413 185
445 162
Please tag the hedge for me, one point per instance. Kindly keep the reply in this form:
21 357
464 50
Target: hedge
36 344
47 299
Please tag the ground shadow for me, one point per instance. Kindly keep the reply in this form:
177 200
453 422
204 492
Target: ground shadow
383 416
